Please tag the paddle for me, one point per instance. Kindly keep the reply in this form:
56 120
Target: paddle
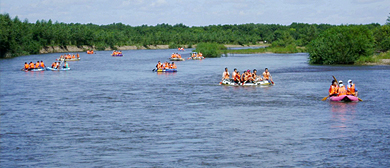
323 99
339 86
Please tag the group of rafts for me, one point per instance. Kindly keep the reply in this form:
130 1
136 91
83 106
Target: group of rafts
193 56
40 66
340 93
59 65
247 78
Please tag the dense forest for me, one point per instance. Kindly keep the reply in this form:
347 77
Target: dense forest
22 37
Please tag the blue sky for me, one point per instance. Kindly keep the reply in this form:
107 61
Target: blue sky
200 12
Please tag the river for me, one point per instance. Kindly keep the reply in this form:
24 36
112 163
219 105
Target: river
115 112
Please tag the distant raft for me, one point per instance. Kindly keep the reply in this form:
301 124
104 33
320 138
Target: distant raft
55 69
164 70
230 82
117 55
72 59
176 59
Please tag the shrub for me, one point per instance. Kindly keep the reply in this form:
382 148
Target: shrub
210 49
341 45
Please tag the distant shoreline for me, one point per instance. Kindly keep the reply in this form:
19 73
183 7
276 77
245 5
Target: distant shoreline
84 48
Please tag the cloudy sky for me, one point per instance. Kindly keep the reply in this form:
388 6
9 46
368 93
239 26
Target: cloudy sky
200 12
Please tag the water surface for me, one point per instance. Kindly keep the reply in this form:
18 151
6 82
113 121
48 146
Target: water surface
114 111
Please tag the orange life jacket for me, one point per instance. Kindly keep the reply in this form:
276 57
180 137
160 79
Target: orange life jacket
237 77
226 75
73 56
351 90
42 64
26 66
31 65
37 65
342 91
173 66
266 75
333 90
78 55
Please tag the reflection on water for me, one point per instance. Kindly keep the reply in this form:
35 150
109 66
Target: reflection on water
343 113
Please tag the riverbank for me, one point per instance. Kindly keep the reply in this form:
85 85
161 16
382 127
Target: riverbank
84 48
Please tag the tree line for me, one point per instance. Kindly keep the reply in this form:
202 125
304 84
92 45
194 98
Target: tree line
24 38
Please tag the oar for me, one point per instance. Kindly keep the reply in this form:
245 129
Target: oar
360 99
323 99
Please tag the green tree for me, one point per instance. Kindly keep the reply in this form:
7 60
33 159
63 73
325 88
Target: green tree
341 45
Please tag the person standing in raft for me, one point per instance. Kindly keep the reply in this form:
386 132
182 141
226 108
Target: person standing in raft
333 89
234 73
352 90
342 89
225 74
267 75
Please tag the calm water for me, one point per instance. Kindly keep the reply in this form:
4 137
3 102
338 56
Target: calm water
115 112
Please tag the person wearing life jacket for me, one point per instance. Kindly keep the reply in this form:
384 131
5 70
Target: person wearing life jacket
31 65
267 75
225 74
26 66
173 66
54 65
173 55
254 75
73 56
58 65
42 65
333 89
237 77
78 56
37 65
351 88
159 65
166 65
234 73
248 77
342 89
200 54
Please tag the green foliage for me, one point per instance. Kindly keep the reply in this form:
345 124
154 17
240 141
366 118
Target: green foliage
341 45
173 45
382 38
210 49
373 59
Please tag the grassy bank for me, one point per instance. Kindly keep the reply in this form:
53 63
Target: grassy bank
377 59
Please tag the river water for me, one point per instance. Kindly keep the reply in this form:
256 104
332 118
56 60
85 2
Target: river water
115 112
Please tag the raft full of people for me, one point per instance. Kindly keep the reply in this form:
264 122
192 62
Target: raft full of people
247 78
69 57
117 54
176 57
165 67
196 56
340 93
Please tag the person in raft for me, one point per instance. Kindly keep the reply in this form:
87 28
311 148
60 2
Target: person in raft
342 89
42 65
66 65
267 75
225 74
333 89
234 73
159 65
237 77
173 66
352 90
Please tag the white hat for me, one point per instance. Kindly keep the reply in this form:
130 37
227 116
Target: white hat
341 85
340 81
350 81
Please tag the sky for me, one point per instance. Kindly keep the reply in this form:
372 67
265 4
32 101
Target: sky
200 12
